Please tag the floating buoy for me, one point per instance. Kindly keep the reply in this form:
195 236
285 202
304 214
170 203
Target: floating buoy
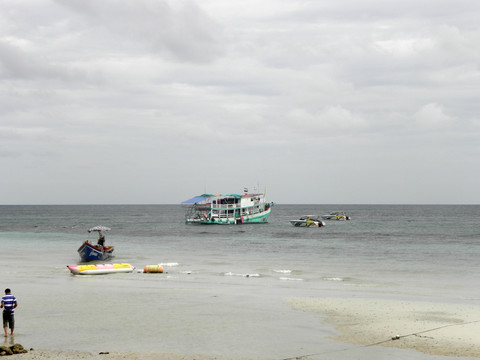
153 269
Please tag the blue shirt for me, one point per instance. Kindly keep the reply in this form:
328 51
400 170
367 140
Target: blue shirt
9 301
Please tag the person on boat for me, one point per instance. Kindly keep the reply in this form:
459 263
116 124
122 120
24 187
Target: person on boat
9 302
101 240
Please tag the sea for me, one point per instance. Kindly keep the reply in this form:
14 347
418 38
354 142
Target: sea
224 291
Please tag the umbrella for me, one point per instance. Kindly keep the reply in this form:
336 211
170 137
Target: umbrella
99 228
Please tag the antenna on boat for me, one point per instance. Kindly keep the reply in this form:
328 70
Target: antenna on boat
256 188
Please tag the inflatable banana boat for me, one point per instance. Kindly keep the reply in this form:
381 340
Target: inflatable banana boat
100 269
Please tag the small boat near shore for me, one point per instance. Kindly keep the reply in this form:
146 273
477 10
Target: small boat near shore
308 221
91 252
96 252
100 269
209 209
337 216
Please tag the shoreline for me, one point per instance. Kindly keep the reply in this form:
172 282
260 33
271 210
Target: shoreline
113 355
444 329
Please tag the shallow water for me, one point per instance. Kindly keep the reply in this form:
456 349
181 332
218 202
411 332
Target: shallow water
224 289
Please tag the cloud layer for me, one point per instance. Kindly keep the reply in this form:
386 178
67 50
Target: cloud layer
152 101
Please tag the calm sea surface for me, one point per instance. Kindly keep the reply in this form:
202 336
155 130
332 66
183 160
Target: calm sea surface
224 288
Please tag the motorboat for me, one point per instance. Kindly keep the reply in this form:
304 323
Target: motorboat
91 252
308 221
336 215
227 209
96 252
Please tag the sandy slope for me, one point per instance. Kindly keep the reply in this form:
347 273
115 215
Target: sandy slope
433 328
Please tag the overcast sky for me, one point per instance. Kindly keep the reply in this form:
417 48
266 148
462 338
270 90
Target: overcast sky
322 102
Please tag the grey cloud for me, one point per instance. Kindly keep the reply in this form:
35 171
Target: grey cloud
17 63
183 33
322 95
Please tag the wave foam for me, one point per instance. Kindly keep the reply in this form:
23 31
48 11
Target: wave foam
283 271
169 264
291 279
244 275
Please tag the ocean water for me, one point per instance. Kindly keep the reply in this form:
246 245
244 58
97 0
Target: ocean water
225 288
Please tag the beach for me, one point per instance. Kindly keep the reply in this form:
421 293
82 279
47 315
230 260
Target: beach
429 327
443 329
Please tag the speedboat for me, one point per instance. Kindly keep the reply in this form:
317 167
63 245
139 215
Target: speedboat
336 215
308 221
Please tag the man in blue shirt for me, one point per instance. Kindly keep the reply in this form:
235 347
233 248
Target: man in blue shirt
9 302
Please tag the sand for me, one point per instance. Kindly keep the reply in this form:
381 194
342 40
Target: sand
81 355
446 329
433 328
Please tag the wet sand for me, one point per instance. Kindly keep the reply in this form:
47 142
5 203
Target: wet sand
74 355
445 329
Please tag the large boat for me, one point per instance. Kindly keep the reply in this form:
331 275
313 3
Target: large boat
336 215
308 221
99 251
227 209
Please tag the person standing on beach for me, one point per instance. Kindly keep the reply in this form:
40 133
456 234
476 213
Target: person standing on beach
9 302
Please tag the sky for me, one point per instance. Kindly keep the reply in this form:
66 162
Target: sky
311 102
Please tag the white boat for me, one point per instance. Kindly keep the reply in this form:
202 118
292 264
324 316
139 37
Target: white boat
336 215
237 209
308 221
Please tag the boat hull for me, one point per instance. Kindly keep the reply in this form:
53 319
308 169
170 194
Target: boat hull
303 223
308 221
100 269
259 218
89 252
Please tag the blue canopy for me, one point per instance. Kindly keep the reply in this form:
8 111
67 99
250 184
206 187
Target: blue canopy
202 197
196 199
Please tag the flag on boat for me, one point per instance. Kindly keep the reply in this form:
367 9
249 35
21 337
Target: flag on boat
245 190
